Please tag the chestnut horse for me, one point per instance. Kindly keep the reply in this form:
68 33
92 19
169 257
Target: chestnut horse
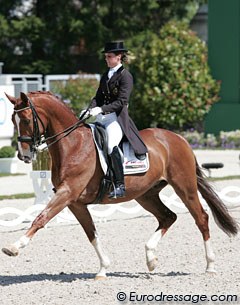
77 174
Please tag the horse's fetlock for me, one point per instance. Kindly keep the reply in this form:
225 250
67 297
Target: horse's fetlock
149 248
106 263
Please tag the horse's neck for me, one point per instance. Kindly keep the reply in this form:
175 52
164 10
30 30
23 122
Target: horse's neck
59 123
56 116
58 119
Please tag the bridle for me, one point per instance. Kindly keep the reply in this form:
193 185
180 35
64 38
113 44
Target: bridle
37 138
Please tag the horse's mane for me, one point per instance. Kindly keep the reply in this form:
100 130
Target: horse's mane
55 97
40 92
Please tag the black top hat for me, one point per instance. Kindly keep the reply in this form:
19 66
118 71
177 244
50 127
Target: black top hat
115 46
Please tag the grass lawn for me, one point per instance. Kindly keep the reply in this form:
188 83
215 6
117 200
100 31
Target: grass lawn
17 196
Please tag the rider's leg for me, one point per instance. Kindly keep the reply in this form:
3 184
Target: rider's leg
119 190
114 136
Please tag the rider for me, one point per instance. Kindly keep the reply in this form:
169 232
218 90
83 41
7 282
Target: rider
110 106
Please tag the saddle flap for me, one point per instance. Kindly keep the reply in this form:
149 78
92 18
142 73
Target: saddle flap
131 165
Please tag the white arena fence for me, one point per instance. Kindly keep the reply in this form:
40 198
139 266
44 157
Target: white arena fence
11 216
36 82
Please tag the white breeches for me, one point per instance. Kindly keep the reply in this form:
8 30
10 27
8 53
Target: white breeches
113 129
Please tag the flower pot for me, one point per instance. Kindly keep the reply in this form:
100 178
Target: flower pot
8 165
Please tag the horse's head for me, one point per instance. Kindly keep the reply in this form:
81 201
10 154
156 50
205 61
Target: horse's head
29 126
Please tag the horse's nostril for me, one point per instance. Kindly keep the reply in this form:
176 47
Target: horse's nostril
20 157
27 159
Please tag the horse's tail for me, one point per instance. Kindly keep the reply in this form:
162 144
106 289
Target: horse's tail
220 213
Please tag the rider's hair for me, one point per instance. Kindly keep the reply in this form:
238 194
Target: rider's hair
124 58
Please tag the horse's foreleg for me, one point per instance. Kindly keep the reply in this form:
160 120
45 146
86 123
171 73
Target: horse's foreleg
85 219
104 260
61 199
150 248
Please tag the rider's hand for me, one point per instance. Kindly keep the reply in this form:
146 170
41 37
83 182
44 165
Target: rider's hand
84 114
95 111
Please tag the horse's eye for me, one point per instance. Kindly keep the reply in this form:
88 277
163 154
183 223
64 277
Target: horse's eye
26 121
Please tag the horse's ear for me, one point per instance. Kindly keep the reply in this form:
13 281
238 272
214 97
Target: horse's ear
24 98
12 99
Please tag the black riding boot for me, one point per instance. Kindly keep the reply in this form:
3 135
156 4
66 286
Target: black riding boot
119 190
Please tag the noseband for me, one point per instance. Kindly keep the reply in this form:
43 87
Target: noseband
36 139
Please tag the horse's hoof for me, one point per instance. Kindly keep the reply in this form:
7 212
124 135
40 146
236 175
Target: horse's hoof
211 271
100 277
152 264
10 250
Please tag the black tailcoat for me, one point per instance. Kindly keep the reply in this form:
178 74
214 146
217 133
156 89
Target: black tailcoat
113 96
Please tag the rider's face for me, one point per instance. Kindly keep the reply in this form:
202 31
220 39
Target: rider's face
112 59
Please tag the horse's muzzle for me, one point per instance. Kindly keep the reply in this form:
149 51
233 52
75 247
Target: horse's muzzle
26 159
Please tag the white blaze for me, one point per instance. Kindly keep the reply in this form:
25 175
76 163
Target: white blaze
17 120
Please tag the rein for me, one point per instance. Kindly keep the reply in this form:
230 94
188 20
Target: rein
37 139
64 134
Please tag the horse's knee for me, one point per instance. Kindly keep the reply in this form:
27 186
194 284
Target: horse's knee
40 221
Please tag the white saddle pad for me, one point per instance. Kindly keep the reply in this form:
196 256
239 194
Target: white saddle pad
131 165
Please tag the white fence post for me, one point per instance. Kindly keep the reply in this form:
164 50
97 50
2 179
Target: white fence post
42 186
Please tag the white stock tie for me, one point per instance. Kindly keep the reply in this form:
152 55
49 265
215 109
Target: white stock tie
110 73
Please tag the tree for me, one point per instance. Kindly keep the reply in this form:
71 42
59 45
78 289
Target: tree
38 40
173 85
51 36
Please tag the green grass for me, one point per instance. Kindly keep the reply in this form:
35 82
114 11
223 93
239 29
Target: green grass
8 174
17 196
223 178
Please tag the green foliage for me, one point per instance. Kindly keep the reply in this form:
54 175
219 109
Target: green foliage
129 17
230 139
194 138
225 139
77 92
48 36
38 40
173 84
42 162
7 152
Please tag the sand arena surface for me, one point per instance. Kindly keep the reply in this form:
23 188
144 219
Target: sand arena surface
59 265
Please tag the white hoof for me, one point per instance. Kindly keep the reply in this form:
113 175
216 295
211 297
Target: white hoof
152 264
211 271
10 250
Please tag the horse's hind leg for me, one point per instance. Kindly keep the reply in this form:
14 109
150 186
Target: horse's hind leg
83 216
151 202
187 191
